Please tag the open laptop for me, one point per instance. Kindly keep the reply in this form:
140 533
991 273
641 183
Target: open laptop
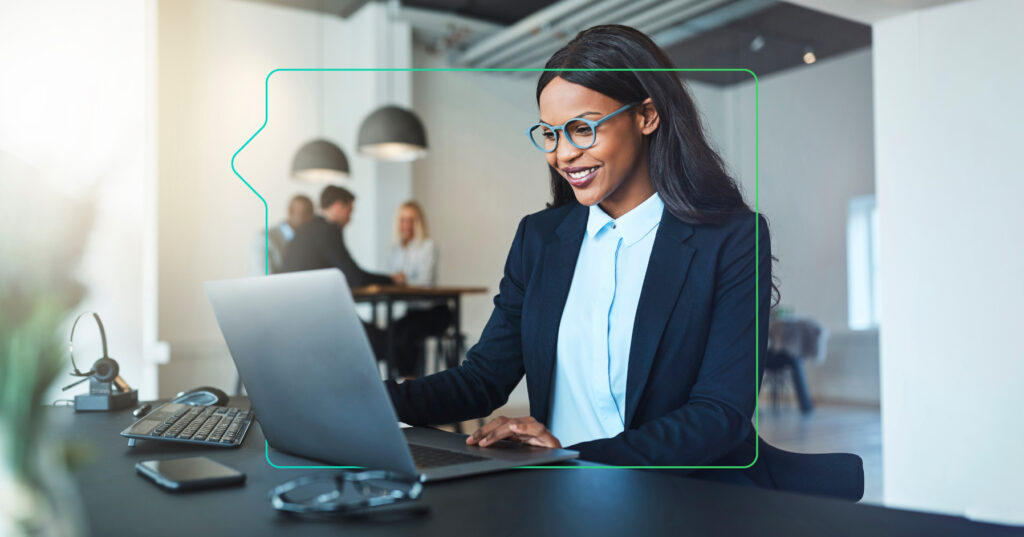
310 373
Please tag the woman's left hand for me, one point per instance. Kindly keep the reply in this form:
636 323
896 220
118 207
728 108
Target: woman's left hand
526 430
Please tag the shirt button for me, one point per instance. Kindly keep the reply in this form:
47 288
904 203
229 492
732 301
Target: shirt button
614 226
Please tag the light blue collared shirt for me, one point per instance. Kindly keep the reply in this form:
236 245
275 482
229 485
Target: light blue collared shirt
589 399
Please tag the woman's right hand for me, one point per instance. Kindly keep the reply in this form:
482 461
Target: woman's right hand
526 430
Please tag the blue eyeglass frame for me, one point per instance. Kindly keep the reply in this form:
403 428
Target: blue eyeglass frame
593 123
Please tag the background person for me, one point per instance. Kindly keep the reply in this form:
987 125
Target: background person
415 255
269 250
320 243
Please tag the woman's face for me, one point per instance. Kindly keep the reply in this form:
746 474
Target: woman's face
406 224
615 167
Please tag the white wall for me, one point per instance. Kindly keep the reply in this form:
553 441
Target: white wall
76 108
949 126
816 152
214 58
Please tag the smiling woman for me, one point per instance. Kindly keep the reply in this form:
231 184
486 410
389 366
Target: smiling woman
636 304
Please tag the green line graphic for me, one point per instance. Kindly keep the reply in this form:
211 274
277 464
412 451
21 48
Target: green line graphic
757 228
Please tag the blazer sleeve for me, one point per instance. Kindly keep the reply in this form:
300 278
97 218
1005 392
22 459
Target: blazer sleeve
333 246
492 367
716 418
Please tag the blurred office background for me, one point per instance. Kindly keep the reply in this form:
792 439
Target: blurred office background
885 131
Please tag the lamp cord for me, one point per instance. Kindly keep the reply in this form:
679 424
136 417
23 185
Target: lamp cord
320 74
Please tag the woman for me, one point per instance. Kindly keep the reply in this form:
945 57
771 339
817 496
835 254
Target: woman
629 304
414 254
415 257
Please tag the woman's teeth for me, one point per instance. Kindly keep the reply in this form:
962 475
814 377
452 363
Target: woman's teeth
582 173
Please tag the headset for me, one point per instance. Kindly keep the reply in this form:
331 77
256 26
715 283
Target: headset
103 370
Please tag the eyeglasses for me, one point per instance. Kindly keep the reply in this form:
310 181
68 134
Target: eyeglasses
581 133
347 493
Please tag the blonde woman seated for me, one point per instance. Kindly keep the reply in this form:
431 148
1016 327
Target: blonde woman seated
415 256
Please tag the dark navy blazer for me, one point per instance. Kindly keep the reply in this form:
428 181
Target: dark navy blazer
692 381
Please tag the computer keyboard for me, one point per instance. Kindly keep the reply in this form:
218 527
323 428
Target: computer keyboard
204 425
428 457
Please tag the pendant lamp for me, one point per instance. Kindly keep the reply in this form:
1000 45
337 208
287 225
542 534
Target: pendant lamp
393 133
319 161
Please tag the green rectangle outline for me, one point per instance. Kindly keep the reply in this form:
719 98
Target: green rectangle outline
757 241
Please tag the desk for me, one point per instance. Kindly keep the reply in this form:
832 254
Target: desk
517 502
389 294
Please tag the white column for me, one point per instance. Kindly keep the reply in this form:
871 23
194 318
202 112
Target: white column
948 124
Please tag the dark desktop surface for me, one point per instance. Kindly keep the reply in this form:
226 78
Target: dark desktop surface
584 501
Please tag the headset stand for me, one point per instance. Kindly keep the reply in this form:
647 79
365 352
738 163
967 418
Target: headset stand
103 396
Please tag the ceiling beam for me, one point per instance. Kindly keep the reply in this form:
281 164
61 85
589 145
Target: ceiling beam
868 11
341 8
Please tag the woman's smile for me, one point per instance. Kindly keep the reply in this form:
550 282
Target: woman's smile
580 176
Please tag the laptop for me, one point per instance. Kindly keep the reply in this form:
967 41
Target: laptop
307 365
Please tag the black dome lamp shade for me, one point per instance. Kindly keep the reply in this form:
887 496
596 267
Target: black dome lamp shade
392 133
319 161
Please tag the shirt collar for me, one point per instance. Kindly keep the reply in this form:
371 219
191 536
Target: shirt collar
287 231
597 220
632 226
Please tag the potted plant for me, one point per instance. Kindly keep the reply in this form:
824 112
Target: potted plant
42 237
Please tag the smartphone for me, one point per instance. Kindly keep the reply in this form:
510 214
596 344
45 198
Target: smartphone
190 473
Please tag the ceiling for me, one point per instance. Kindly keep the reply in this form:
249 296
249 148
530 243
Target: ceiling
786 31
342 8
722 38
870 11
503 12
509 11
717 38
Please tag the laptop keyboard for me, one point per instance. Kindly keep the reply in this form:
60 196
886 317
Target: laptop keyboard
428 457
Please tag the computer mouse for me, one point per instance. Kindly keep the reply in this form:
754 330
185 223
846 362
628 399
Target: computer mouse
202 396
142 410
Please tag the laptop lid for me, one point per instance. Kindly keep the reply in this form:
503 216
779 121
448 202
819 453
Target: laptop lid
307 365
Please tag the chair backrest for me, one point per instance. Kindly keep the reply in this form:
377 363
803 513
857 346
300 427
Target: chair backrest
836 475
801 337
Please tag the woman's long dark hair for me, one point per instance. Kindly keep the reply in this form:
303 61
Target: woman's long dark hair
685 171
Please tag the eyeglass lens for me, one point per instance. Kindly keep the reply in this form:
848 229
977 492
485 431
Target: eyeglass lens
581 133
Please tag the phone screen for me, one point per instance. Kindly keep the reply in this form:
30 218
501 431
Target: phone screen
190 472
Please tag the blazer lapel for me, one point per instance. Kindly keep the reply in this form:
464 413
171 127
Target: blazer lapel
560 255
666 273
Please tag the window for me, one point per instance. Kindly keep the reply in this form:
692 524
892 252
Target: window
862 263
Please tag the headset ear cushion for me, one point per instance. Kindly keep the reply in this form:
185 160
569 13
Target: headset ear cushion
105 370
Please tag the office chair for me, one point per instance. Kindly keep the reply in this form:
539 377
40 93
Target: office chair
449 351
790 342
835 475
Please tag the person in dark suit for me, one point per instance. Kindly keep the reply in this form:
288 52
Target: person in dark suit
320 243
635 305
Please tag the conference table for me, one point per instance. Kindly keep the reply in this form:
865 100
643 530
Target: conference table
551 501
389 295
